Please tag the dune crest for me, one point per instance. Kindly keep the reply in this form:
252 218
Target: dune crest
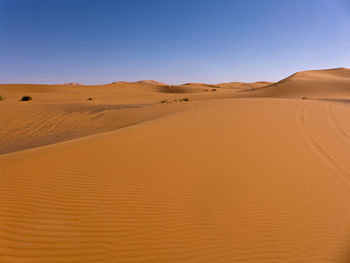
329 83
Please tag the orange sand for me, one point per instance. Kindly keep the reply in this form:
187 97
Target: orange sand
220 178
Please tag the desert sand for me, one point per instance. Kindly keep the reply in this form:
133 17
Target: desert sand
237 172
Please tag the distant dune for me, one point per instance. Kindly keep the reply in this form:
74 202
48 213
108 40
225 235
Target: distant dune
72 84
120 82
149 82
243 85
331 83
233 85
150 172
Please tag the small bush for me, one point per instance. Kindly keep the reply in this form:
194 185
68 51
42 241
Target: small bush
1 98
26 98
164 101
184 99
213 90
304 98
90 98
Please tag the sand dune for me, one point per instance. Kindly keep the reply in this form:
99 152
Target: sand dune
72 84
59 113
35 125
186 88
137 175
202 185
332 83
151 82
231 85
148 82
243 85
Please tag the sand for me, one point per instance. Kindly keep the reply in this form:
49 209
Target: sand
219 178
315 84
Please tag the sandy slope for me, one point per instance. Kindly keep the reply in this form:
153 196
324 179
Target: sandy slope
331 83
258 179
207 184
63 112
59 113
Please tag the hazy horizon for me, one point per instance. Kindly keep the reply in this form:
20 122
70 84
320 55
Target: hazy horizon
98 42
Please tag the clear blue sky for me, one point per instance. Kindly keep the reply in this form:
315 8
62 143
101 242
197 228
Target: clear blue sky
175 41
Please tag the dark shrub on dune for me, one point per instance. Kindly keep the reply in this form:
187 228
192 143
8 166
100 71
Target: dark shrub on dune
1 98
26 98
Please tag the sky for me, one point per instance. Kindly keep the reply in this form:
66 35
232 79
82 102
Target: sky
173 41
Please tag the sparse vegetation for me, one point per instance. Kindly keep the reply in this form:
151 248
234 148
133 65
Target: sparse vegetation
90 98
206 90
304 98
26 98
164 101
184 99
1 98
213 90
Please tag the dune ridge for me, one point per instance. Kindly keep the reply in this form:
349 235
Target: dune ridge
330 83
